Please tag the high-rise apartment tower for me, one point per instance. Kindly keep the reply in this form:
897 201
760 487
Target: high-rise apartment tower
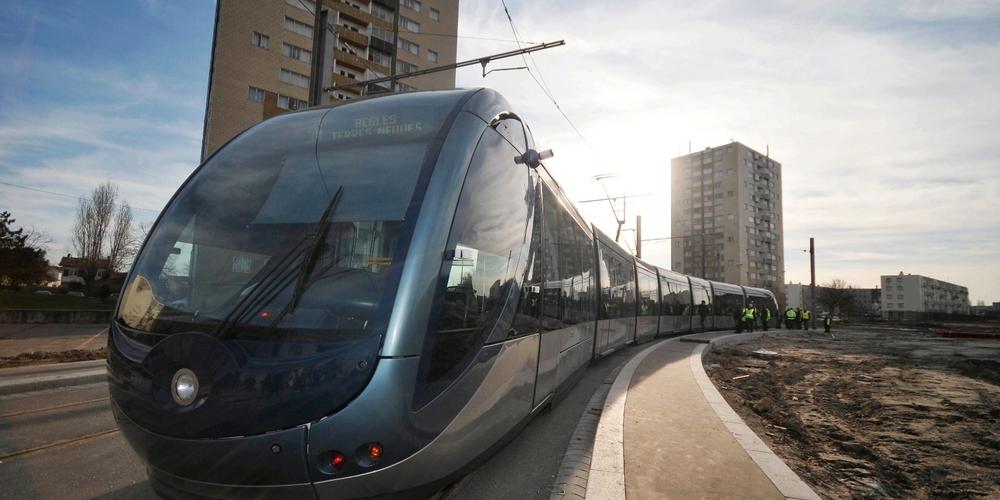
262 54
726 217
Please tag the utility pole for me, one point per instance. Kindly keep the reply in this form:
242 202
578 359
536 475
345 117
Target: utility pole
395 48
638 236
324 45
812 284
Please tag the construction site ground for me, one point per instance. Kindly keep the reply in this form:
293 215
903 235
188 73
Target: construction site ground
869 412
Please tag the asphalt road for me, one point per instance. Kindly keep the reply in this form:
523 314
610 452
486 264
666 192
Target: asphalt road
63 443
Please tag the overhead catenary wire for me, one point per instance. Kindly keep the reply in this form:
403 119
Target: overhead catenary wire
68 196
544 87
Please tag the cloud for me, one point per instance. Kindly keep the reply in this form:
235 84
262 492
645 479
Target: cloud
883 116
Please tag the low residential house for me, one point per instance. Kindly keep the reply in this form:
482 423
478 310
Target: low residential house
76 270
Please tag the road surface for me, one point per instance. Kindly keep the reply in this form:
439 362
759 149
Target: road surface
63 443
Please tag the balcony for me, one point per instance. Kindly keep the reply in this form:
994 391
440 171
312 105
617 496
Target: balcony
346 58
341 80
352 36
353 13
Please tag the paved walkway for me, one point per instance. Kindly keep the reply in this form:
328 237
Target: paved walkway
665 432
17 338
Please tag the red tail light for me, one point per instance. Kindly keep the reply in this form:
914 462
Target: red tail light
337 460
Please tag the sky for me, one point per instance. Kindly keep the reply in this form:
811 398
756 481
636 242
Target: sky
884 115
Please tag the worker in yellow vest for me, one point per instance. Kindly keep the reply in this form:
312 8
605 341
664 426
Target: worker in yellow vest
766 317
789 318
806 315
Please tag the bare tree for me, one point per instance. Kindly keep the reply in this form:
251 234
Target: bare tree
122 241
93 216
836 296
37 239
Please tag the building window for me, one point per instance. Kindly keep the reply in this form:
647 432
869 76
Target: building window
259 40
432 55
379 57
405 88
293 78
299 27
291 103
435 14
409 24
306 5
381 12
297 53
411 4
382 34
405 67
409 46
256 95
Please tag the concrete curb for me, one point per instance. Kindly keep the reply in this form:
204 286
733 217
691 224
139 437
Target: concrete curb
574 471
783 477
42 377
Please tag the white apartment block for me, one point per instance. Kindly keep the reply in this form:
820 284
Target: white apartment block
912 296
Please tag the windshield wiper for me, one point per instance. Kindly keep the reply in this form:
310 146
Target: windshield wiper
265 289
312 255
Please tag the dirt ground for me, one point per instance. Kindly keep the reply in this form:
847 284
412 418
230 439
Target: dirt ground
46 357
862 414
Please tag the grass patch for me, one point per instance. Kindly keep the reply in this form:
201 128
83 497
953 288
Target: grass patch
15 300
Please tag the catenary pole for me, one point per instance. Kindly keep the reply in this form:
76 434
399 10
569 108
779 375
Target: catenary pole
395 48
812 284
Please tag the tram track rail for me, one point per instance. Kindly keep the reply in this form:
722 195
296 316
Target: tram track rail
60 442
51 408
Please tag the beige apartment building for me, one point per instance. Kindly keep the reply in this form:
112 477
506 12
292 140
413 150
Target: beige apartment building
262 55
915 297
726 221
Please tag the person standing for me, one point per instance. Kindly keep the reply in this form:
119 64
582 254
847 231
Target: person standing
738 318
827 322
806 316
703 313
748 317
789 318
766 317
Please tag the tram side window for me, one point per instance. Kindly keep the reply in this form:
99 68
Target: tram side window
478 272
618 290
552 301
666 299
728 304
583 281
701 294
568 269
648 303
629 285
530 303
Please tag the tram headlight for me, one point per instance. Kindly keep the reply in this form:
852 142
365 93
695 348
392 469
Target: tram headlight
184 387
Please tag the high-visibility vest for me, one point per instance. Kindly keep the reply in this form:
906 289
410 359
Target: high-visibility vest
767 315
747 313
805 315
827 321
790 314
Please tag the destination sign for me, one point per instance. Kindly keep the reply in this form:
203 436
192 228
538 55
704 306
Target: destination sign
380 125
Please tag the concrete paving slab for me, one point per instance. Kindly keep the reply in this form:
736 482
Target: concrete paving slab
678 448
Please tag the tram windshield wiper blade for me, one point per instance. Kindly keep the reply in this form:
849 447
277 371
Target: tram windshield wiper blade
312 254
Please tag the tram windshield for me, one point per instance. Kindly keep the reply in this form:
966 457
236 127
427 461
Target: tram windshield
233 245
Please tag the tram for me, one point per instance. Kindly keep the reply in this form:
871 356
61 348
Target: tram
366 300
